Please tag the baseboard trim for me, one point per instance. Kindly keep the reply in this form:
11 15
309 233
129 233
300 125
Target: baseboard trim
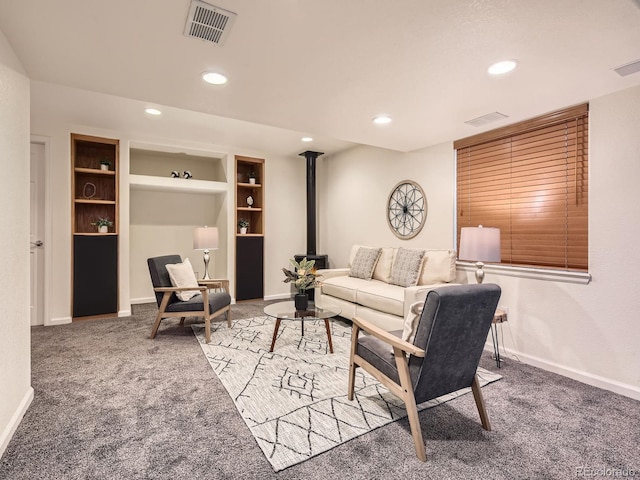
279 296
124 313
625 389
11 428
57 321
138 301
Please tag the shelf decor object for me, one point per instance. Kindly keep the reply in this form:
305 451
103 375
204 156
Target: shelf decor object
206 238
479 244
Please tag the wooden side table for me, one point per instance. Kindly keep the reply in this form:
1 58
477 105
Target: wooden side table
499 317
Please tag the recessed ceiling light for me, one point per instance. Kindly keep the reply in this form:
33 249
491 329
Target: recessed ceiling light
382 119
504 66
307 139
153 111
214 78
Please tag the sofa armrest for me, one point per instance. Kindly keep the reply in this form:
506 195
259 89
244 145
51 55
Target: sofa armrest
419 294
333 272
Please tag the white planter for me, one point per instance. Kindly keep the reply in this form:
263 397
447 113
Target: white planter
104 167
103 229
243 230
252 181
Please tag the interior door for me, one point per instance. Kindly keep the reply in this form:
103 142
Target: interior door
37 251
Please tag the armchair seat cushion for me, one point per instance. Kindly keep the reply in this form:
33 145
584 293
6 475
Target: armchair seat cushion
379 354
217 300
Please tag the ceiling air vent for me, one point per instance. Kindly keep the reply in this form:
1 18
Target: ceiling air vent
488 118
208 22
628 69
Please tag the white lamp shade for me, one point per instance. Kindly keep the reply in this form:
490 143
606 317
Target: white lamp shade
479 244
205 238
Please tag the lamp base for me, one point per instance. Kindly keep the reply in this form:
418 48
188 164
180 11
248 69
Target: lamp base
479 272
206 265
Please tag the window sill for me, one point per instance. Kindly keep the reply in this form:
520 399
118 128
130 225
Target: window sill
582 278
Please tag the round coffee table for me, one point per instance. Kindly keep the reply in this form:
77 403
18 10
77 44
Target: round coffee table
287 311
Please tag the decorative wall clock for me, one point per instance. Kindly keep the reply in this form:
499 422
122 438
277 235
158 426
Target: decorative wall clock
406 209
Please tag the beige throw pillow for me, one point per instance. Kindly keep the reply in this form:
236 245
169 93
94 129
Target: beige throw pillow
439 266
182 275
382 271
411 321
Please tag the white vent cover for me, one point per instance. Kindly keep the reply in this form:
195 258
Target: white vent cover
208 22
628 69
488 118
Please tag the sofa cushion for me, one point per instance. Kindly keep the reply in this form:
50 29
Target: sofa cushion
381 296
382 271
343 287
364 262
406 267
438 266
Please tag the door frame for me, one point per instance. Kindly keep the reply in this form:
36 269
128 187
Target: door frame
46 234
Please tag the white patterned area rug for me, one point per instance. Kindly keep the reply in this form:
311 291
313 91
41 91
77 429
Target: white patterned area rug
294 400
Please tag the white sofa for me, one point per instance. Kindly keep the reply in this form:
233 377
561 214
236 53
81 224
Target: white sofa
378 300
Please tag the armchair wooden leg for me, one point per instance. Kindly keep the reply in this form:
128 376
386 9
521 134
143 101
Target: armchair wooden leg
229 317
207 316
156 325
479 398
182 321
163 305
410 403
352 365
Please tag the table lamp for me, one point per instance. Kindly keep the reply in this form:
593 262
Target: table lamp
479 244
205 238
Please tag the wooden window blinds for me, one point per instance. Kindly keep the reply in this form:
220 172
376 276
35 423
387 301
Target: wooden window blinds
530 180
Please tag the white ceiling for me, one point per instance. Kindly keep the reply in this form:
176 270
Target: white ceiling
327 67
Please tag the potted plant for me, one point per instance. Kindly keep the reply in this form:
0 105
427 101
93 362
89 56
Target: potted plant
243 223
252 177
105 164
303 277
103 224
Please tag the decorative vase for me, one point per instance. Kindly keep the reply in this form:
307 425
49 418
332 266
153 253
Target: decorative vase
301 301
252 181
243 230
103 229
104 167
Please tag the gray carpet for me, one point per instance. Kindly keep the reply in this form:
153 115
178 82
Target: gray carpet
294 399
112 404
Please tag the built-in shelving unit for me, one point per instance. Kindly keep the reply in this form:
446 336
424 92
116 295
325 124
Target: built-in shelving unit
164 210
249 190
94 167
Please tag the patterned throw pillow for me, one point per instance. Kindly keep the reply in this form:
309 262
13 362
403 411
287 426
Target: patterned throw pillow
364 262
406 267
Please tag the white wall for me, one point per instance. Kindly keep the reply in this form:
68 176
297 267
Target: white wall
354 188
16 392
57 111
588 332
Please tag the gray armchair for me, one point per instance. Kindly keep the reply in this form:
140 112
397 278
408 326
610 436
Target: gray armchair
206 304
443 358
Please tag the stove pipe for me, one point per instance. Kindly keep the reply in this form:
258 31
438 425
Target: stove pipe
311 199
